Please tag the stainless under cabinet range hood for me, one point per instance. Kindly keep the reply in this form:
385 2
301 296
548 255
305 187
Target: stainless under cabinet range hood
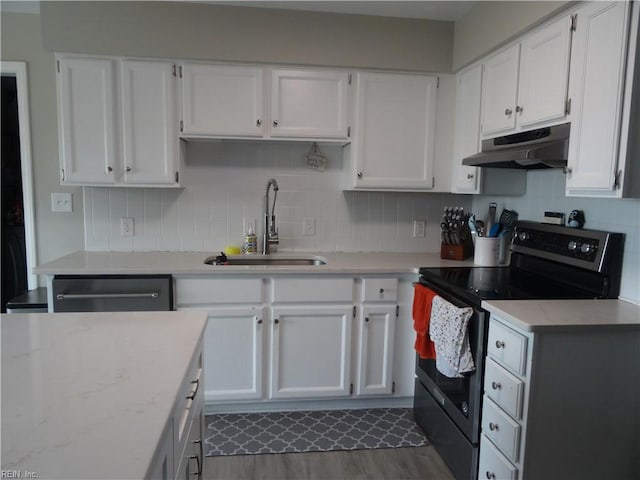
541 148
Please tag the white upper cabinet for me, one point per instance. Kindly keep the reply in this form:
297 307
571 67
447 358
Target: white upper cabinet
117 122
499 91
525 85
601 95
87 131
393 142
149 118
309 104
227 101
467 129
222 100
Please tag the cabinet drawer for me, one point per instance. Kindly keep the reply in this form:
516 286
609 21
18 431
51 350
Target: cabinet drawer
501 429
493 465
218 290
380 289
333 290
507 347
503 388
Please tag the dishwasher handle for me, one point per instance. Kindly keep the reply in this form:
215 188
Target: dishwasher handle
84 296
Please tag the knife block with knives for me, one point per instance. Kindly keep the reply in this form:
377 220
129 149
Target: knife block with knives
456 237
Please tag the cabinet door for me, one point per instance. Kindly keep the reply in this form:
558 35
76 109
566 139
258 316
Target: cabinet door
310 352
233 354
221 100
544 73
309 104
149 123
393 146
86 109
499 91
375 363
467 129
597 65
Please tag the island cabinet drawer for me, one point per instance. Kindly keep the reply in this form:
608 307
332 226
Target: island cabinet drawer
503 388
218 290
507 347
492 464
501 429
335 290
380 289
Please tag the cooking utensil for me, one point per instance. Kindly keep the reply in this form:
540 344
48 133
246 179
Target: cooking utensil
508 219
491 216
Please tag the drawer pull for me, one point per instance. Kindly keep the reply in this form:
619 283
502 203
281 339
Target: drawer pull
496 385
193 394
381 291
499 344
197 473
490 475
493 427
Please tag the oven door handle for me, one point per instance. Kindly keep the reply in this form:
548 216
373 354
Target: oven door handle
438 396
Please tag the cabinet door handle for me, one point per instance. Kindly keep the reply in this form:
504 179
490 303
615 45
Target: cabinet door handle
567 170
469 176
276 321
490 475
519 109
127 169
275 123
260 322
199 443
496 385
508 111
109 169
197 459
366 319
193 394
359 174
499 344
493 426
258 122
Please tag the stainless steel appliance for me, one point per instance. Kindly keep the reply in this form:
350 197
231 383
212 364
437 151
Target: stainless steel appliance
547 262
112 293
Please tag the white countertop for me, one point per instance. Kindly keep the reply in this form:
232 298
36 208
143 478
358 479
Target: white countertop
86 395
537 315
186 263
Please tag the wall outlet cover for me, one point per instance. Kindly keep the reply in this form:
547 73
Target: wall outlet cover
419 228
308 226
126 226
61 202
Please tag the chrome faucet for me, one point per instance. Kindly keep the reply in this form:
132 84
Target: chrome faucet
270 236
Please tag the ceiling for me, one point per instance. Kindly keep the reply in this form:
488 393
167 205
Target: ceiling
451 10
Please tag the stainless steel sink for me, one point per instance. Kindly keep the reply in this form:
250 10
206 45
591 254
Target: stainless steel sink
266 260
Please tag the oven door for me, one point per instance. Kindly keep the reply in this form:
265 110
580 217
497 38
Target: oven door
461 398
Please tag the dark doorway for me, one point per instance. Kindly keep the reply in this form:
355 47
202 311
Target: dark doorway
14 257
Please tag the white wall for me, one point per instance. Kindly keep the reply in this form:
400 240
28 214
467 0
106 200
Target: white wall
225 189
545 192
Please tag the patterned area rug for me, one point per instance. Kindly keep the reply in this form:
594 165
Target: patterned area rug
319 431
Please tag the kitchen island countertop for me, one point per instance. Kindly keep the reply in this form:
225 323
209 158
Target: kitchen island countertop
569 315
192 263
87 395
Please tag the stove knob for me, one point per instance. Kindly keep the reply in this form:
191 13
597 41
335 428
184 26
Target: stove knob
586 248
572 245
523 236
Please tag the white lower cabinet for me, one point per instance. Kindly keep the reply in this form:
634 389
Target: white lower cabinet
375 360
234 341
310 352
286 338
180 453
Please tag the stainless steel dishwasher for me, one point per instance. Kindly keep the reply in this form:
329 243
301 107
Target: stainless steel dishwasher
112 293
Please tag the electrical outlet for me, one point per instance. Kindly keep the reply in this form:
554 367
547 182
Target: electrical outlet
61 202
308 226
418 228
126 226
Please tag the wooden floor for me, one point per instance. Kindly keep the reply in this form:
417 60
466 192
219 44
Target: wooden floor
422 463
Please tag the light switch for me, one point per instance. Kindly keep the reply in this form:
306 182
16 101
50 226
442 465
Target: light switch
61 202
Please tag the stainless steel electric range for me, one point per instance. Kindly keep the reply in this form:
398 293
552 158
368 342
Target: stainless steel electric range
547 262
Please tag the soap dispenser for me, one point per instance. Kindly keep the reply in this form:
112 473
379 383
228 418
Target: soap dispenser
250 243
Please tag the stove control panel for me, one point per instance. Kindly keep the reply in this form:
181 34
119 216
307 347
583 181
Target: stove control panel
568 245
